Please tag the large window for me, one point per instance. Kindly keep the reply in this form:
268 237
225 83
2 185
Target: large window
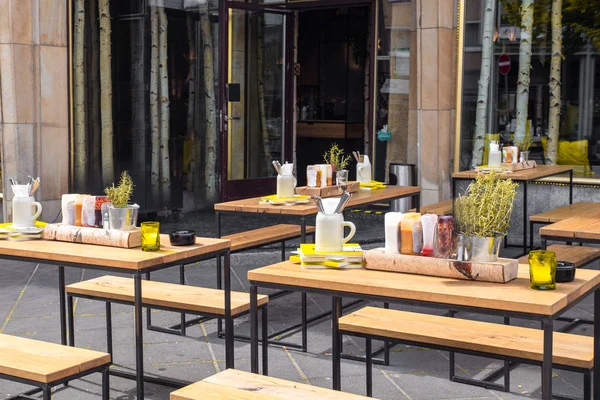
511 107
145 87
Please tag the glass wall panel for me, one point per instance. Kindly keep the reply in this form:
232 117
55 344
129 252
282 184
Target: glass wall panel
145 86
508 111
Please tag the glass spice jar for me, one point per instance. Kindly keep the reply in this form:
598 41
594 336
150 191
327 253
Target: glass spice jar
445 236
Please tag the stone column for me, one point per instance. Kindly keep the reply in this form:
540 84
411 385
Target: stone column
34 113
431 115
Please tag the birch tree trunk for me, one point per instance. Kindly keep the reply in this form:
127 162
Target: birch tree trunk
94 109
154 112
260 65
524 68
106 117
484 82
79 98
210 145
165 159
192 134
555 84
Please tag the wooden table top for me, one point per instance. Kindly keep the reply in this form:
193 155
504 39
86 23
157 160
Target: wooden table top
515 296
104 256
568 211
360 198
580 226
532 174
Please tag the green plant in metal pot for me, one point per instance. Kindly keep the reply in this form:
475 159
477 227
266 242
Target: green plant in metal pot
483 215
335 157
122 215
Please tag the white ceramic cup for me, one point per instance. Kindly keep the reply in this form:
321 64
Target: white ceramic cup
329 235
23 208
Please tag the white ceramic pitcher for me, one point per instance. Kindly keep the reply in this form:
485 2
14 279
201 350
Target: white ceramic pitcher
25 210
329 235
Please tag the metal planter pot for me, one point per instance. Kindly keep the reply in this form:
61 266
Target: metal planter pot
482 249
124 219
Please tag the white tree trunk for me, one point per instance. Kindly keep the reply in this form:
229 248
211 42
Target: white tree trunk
555 84
210 145
484 82
154 108
106 116
260 66
192 134
80 133
165 159
524 68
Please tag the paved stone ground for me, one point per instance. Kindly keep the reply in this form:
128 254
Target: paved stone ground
29 308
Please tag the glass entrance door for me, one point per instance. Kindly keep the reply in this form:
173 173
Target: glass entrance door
253 105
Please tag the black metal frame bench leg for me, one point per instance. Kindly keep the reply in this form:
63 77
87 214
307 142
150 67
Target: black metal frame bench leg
265 341
179 329
369 366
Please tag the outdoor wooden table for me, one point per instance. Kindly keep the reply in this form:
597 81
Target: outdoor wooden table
581 228
512 299
253 206
302 211
121 260
523 177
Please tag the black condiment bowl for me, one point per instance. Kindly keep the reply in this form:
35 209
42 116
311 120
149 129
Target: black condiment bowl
565 271
182 238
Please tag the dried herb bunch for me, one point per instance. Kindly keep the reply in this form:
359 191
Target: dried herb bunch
335 156
121 194
486 207
525 143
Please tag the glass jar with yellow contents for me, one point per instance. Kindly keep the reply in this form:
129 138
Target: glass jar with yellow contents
542 269
150 236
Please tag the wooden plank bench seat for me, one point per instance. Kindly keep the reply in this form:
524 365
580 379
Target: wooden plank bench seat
46 365
166 296
239 385
264 236
467 336
441 208
579 255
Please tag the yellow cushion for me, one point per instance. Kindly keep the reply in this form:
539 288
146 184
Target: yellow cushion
572 153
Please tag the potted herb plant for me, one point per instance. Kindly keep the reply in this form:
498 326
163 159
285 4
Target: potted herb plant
339 163
524 145
483 215
121 214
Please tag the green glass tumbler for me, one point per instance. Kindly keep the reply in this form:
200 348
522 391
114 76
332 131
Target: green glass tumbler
150 236
542 269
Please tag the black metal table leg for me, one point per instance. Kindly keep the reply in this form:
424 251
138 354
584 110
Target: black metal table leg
525 219
597 344
547 360
182 282
61 303
265 340
229 360
336 313
571 187
418 201
369 366
139 340
253 329
304 322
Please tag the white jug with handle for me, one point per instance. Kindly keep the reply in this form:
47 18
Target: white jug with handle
25 210
329 235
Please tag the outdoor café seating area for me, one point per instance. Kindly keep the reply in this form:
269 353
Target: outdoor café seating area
303 295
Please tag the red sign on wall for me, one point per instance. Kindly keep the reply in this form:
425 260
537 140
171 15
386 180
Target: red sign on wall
504 64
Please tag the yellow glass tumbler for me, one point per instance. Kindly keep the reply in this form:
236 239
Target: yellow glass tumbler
542 270
150 236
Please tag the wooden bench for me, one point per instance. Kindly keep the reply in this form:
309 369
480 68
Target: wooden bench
164 296
558 214
45 365
441 208
233 385
578 255
573 352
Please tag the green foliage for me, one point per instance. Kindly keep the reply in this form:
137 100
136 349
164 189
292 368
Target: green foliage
121 194
335 156
486 207
525 143
579 18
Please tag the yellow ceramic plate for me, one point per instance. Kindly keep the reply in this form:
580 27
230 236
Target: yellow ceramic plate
297 199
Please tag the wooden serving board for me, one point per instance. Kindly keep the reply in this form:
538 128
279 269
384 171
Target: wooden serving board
501 271
98 236
329 191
